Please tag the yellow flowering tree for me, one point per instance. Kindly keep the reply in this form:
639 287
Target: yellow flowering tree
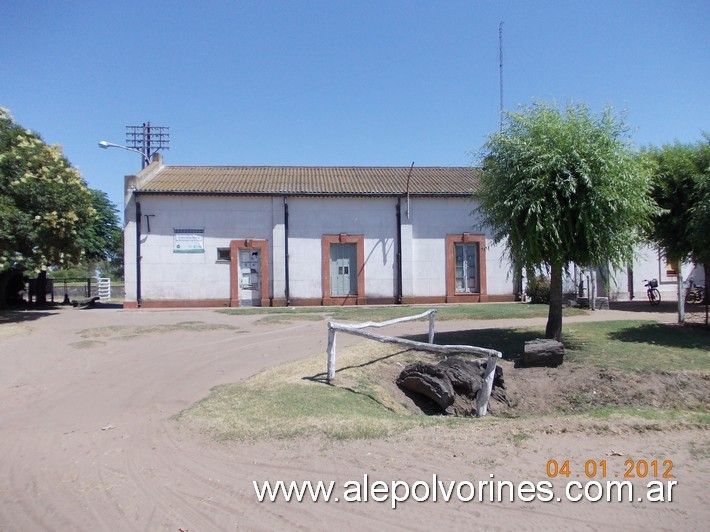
43 202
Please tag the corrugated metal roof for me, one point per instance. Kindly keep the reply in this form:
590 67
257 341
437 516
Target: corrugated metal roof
312 180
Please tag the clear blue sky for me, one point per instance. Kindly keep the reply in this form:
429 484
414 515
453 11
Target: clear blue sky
329 82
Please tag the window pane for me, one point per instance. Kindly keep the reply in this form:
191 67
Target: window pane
466 270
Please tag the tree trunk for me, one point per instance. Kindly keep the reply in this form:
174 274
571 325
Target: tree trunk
681 294
41 288
554 318
4 280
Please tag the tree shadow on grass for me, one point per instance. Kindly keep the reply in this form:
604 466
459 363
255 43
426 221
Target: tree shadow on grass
642 305
323 377
510 342
665 335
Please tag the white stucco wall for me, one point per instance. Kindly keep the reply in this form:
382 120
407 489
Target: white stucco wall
648 264
167 275
312 217
431 220
129 249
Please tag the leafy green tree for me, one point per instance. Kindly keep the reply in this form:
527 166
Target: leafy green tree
700 209
563 186
681 187
43 202
101 239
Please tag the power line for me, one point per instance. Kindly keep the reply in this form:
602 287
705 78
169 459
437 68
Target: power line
500 64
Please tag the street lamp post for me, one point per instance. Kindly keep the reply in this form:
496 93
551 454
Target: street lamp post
150 139
145 161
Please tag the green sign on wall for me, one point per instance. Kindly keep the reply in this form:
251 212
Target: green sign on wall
188 240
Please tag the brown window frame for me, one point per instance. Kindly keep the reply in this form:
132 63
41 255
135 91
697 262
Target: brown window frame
452 296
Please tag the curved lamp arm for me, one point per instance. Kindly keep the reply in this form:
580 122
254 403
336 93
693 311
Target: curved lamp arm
105 145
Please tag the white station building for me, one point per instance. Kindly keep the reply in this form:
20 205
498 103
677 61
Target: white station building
228 236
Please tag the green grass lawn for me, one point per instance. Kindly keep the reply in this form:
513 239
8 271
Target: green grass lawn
623 345
293 400
639 346
487 311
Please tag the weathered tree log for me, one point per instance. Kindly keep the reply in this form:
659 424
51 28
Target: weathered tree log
543 352
428 380
86 302
466 376
457 386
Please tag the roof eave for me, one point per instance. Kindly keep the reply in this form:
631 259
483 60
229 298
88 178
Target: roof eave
306 194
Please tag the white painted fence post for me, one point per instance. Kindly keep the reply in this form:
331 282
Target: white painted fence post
432 320
331 352
485 393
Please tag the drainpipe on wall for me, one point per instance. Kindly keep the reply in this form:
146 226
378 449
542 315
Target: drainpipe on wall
399 250
138 251
287 291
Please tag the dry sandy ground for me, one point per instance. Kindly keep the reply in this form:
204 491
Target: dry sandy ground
87 442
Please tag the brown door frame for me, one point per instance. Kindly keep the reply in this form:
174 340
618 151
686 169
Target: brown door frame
342 238
248 243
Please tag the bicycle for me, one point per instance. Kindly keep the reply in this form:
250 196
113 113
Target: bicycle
694 293
654 296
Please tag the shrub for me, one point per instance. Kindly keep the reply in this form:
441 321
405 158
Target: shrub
538 289
69 273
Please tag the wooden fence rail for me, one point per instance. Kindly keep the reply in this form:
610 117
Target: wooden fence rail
356 329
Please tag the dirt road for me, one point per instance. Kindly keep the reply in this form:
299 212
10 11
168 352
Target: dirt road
87 440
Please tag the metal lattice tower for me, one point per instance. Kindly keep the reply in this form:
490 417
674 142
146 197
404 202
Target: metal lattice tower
148 139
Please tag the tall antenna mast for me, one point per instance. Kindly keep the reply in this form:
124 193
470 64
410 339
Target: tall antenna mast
500 64
147 139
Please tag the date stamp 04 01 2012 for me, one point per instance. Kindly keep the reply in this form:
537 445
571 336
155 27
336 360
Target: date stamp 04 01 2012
593 468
